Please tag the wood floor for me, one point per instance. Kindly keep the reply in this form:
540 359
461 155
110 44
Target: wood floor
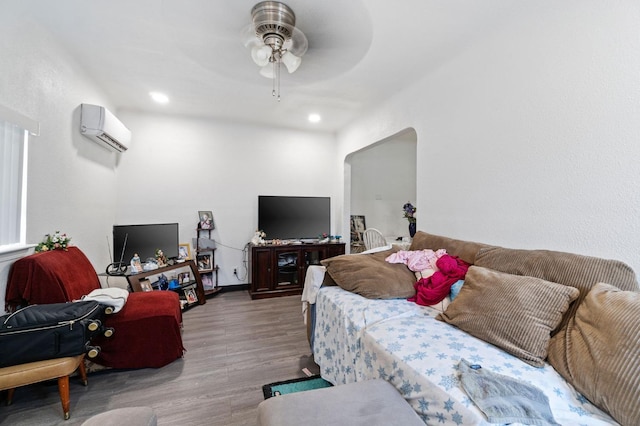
234 346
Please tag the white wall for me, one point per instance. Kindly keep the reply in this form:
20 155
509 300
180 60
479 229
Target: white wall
382 180
528 136
71 180
177 166
174 168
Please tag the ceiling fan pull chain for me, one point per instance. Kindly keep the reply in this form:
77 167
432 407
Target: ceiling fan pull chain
278 77
273 81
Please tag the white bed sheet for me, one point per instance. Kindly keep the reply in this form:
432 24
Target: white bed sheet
401 342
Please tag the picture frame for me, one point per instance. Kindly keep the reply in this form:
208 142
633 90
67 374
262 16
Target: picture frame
205 219
191 295
207 282
184 277
358 225
184 251
204 261
145 285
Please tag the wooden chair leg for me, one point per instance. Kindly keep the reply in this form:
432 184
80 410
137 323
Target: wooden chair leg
63 389
82 370
10 393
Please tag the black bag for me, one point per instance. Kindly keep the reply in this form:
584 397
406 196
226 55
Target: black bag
39 332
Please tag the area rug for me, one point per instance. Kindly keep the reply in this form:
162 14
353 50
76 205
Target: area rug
295 385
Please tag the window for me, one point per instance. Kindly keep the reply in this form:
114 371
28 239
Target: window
14 136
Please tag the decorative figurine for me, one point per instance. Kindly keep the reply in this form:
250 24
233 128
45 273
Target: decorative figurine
258 238
136 266
161 258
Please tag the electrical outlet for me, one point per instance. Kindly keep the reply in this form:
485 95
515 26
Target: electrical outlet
235 271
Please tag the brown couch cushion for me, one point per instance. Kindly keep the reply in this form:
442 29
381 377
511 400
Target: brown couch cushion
465 250
581 272
513 312
369 275
600 352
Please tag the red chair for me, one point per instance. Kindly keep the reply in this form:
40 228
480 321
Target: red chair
147 329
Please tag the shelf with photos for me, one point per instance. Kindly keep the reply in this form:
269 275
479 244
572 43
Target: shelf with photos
204 248
181 277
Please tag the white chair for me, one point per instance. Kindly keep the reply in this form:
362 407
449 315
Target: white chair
373 238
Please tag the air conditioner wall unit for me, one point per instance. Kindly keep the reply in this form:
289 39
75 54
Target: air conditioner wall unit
100 125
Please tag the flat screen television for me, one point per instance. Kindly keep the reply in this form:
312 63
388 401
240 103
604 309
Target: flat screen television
145 240
300 218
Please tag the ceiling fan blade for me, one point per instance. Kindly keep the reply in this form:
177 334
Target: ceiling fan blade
248 36
299 43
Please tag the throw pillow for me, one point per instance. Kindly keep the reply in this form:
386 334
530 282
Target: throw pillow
514 312
581 272
369 275
598 354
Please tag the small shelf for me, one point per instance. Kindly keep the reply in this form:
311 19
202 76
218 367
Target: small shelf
213 291
191 292
205 260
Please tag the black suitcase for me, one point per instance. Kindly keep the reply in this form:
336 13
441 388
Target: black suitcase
39 332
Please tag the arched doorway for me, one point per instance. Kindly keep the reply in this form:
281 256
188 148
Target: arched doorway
381 179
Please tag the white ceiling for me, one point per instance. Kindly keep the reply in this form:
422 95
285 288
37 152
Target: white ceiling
360 52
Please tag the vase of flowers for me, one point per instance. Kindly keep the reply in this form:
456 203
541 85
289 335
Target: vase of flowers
409 211
56 241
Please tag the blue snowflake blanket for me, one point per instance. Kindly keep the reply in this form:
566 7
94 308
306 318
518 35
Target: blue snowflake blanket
359 339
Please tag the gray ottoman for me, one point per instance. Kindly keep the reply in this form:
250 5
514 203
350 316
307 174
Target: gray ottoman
130 416
370 403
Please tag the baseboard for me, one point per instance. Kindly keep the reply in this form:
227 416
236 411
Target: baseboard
235 287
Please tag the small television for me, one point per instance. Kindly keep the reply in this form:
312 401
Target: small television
300 218
145 240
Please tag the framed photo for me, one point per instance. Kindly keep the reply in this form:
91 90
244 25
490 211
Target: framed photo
205 220
190 295
207 281
184 251
205 261
358 226
146 285
184 278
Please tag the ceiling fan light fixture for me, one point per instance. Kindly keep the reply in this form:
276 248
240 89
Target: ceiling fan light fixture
291 61
278 40
261 55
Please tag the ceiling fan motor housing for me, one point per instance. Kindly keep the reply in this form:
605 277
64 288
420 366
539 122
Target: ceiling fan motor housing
273 22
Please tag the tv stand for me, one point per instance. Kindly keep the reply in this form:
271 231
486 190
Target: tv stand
280 269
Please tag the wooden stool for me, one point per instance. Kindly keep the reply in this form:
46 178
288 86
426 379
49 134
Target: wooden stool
39 371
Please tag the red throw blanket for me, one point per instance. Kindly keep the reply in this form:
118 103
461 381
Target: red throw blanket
147 329
435 288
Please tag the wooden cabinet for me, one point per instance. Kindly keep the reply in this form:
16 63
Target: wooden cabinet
183 278
279 270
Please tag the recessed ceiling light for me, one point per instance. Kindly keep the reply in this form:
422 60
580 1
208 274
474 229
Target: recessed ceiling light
160 98
314 118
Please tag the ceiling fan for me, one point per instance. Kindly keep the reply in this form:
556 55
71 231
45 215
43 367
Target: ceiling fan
274 39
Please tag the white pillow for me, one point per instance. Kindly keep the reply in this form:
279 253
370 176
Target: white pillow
112 296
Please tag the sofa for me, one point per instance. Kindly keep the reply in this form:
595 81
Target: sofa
530 337
148 329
